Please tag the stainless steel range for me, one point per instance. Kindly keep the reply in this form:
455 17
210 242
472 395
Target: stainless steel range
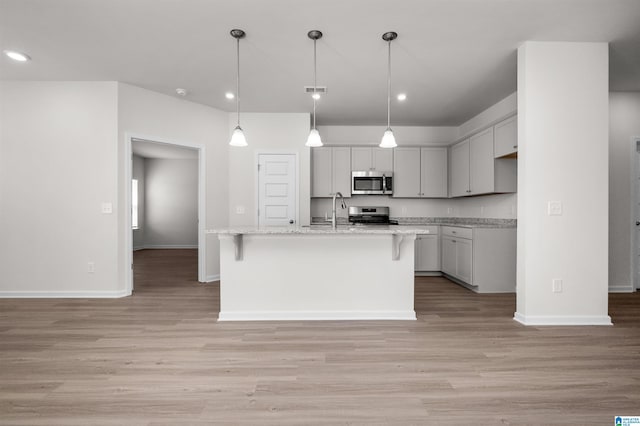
370 216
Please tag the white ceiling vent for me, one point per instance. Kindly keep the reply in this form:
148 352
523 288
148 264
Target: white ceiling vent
319 89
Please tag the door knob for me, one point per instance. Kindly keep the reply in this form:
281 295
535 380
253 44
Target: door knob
637 223
291 221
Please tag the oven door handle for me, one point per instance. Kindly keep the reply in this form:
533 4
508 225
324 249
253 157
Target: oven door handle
384 184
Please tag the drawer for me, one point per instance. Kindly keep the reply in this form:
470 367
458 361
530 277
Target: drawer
455 231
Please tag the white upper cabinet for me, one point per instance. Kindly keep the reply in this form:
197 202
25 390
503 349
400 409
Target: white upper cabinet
433 172
321 175
382 159
459 183
420 172
481 159
506 137
331 171
369 158
406 173
341 174
475 170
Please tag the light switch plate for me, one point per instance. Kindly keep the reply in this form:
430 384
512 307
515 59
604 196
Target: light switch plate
554 208
239 209
107 208
556 285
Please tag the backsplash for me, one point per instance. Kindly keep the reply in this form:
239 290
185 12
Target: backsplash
496 206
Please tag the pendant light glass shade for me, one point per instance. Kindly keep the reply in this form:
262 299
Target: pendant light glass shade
237 138
388 139
314 139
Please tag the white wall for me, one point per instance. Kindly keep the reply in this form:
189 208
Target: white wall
563 132
137 172
277 133
159 117
624 113
171 201
58 164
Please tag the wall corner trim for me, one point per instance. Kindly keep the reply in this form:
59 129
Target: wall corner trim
212 278
64 294
546 320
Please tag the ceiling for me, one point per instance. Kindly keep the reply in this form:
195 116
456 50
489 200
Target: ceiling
150 149
453 58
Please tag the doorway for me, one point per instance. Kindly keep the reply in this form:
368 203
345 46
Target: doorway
173 179
277 189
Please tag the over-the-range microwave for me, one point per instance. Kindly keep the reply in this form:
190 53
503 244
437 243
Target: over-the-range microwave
372 183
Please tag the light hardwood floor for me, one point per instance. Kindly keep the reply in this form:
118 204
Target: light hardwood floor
160 358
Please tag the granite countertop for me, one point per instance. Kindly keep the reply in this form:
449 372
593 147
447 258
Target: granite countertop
322 229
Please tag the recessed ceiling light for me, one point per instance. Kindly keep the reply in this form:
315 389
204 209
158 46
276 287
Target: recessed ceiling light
402 97
229 95
316 96
181 92
17 56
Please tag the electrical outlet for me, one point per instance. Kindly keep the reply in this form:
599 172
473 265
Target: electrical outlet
554 208
449 210
481 210
91 267
404 210
556 285
107 208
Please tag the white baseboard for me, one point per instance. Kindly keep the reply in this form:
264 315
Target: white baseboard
63 294
621 288
427 274
166 246
315 315
562 320
212 278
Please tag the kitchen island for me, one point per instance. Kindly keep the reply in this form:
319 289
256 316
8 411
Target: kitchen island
317 273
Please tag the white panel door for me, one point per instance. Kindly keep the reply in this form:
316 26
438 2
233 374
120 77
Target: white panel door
276 189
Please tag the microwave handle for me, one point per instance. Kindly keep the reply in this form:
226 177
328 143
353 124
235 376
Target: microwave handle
384 184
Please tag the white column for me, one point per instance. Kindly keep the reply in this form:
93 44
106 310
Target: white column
563 131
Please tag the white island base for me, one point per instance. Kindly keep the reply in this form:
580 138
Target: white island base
316 276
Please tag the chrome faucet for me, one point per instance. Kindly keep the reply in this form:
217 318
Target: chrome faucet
333 213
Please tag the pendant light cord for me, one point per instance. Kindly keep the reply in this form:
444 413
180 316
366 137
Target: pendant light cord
389 88
315 84
238 80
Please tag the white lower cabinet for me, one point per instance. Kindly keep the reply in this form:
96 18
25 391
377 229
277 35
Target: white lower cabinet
482 259
427 251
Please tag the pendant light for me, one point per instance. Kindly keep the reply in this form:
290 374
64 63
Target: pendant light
388 140
314 139
237 138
